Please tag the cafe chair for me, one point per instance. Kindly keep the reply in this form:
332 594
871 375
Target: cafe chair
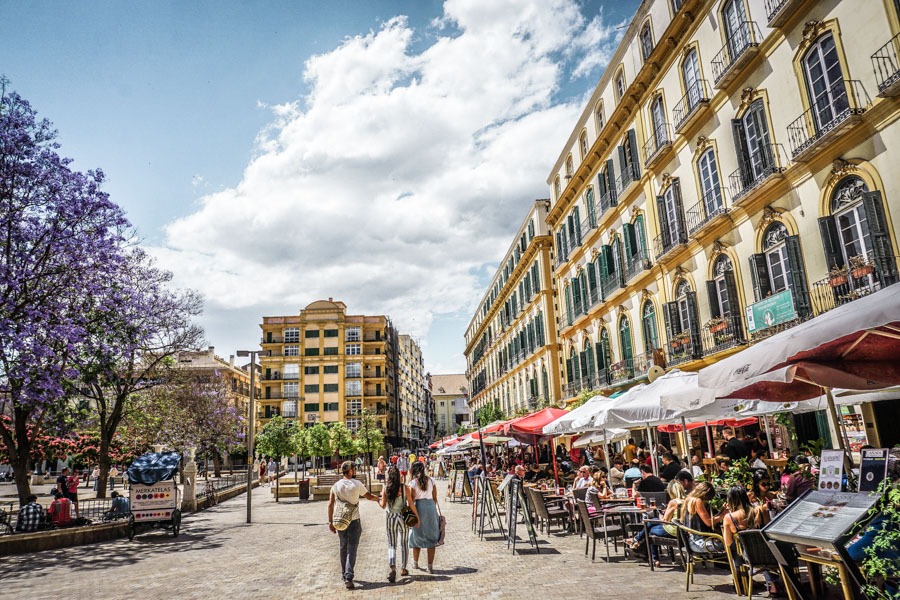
662 499
694 557
547 513
756 556
672 543
596 527
580 494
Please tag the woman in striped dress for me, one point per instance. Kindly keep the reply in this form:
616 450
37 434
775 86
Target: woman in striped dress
422 497
393 499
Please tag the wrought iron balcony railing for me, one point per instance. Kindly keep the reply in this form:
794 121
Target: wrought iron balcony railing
739 48
887 67
710 207
755 170
838 107
691 104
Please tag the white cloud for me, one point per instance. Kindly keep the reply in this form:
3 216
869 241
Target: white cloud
399 175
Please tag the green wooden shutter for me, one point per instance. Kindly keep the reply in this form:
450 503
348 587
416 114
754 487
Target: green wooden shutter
734 305
742 151
712 291
797 277
569 304
635 162
831 242
883 250
611 178
694 325
664 233
624 169
759 272
681 236
630 241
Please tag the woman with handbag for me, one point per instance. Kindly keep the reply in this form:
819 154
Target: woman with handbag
421 495
393 499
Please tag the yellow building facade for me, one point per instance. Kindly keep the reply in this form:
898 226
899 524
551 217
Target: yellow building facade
511 342
325 366
730 177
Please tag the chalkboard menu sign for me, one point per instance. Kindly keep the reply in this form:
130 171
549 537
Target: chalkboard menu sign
516 496
462 487
873 468
818 518
452 486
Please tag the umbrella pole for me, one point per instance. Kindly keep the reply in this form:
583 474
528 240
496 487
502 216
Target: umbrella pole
836 422
652 450
768 435
606 450
709 443
553 458
687 440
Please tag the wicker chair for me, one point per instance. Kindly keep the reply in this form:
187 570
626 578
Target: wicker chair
694 557
580 494
595 528
756 556
547 513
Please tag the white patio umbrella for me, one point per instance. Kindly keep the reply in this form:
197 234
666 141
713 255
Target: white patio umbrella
854 346
564 425
600 437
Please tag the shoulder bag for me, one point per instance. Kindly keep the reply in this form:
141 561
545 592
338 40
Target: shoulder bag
343 515
407 514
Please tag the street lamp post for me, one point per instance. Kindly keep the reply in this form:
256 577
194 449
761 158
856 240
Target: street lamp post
252 355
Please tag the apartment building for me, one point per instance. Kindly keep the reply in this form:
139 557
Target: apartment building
416 427
451 402
511 343
730 177
325 366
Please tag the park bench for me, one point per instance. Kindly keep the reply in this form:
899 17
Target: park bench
322 489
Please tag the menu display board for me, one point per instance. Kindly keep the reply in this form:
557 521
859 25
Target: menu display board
504 483
873 468
831 470
819 517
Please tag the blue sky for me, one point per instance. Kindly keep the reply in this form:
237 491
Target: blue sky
274 153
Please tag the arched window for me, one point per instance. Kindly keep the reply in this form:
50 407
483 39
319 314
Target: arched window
583 144
851 218
723 292
825 82
648 324
737 31
556 186
588 369
620 85
684 310
710 185
625 340
756 158
591 207
570 168
599 118
780 267
646 41
671 216
658 121
574 367
690 75
776 256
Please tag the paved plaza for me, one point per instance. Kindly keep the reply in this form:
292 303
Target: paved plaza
288 552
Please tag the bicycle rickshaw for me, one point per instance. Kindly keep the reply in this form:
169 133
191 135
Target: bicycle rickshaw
154 495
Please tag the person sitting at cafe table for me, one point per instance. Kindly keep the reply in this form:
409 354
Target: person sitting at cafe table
677 494
598 489
761 493
723 463
740 516
800 481
584 478
697 515
536 473
617 473
671 467
648 482
757 455
634 470
696 467
520 473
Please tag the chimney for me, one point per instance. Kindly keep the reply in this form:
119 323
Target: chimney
330 299
231 361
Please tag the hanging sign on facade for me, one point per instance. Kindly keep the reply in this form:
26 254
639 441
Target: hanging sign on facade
774 310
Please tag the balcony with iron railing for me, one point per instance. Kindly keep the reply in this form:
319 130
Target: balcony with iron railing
663 245
276 340
636 263
886 63
722 334
627 179
658 145
779 11
608 199
740 47
629 369
609 284
683 347
710 208
692 106
840 108
863 276
576 386
759 171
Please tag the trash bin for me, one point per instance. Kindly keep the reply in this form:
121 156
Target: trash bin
303 489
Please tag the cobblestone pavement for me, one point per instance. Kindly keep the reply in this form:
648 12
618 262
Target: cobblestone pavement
288 552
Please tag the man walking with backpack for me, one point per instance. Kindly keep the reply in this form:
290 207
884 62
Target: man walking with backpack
343 519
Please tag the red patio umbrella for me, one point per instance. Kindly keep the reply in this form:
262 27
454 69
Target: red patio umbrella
531 428
676 428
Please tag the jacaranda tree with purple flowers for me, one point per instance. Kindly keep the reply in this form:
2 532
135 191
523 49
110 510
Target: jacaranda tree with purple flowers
60 238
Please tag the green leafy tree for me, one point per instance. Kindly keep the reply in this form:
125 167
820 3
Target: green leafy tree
369 437
302 446
341 440
318 441
583 397
488 414
277 439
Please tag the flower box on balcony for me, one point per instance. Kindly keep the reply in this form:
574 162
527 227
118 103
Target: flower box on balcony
714 327
837 280
863 271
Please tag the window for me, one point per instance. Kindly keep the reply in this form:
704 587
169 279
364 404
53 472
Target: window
825 82
291 371
331 333
570 167
780 267
291 390
722 290
311 407
599 118
620 86
754 145
648 324
710 185
671 216
354 407
311 333
658 122
353 388
690 75
331 351
737 33
776 257
352 423
646 41
353 349
292 350
676 5
331 387
556 190
628 160
352 334
291 335
311 388
310 351
352 369
310 370
625 341
583 144
289 409
332 406
851 219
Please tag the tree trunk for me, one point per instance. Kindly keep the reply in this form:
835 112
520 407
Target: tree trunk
23 481
104 471
217 463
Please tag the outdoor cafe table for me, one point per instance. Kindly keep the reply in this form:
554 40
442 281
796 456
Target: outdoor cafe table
626 513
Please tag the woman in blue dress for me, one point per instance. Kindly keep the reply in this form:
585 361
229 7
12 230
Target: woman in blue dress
422 498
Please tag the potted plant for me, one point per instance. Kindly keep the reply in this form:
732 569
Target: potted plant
860 267
717 324
837 276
